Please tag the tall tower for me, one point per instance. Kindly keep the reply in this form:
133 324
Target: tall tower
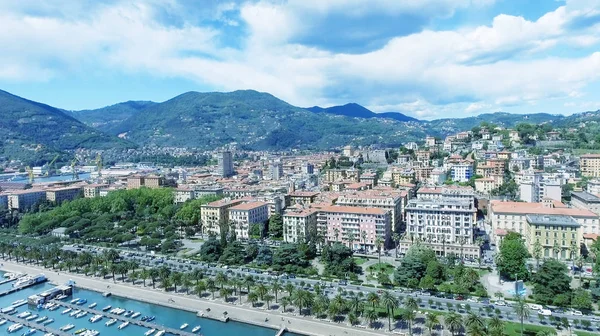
225 164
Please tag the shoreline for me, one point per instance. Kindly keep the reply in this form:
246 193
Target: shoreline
191 303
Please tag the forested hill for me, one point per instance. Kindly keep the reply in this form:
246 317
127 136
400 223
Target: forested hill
29 129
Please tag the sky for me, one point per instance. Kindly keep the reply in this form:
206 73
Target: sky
425 58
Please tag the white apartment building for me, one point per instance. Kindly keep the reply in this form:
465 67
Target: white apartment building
437 176
93 190
215 214
533 187
24 199
225 164
354 226
442 220
244 215
60 195
585 200
299 226
182 195
276 170
393 202
593 187
461 172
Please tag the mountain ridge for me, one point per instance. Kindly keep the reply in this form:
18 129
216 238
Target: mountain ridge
358 111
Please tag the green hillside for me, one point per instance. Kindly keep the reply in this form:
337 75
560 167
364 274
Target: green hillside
31 130
254 120
106 117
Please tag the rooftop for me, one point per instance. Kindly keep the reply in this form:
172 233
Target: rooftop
552 220
585 196
350 209
248 206
523 208
305 194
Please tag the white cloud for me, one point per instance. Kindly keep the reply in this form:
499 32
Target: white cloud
503 64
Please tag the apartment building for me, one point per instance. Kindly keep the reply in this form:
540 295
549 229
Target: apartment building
560 236
512 216
461 172
589 165
430 141
182 195
585 200
3 201
149 181
370 178
276 170
422 174
303 197
60 195
299 226
486 185
593 187
93 190
215 214
498 164
242 216
355 227
403 176
442 220
25 199
386 200
534 187
437 176
225 164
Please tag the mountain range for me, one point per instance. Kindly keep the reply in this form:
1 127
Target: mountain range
253 120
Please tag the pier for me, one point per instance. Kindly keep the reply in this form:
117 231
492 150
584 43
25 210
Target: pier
33 325
121 318
11 279
16 289
281 331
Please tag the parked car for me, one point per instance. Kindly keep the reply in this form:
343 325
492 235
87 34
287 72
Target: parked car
545 312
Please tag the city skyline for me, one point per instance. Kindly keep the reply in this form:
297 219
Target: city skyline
428 59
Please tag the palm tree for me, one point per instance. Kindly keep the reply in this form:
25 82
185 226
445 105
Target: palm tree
333 310
396 238
303 299
355 304
268 298
378 244
432 320
252 298
285 301
546 332
200 288
144 274
249 282
210 285
276 288
221 279
261 290
237 284
320 304
289 288
363 235
176 279
474 321
352 319
453 322
411 303
153 273
371 316
224 293
522 311
496 326
389 302
373 299
409 316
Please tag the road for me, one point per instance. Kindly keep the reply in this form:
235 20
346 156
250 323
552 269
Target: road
331 289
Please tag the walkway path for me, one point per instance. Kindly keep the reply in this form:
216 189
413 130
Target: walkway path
302 325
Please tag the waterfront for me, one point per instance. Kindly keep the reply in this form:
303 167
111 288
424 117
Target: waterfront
165 316
22 178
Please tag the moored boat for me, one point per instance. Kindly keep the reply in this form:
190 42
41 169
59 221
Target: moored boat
67 327
110 322
196 329
106 308
124 325
14 327
183 326
48 321
149 332
66 311
93 305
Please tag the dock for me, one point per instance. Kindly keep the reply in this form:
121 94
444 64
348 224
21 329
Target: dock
16 289
148 325
281 331
33 325
11 279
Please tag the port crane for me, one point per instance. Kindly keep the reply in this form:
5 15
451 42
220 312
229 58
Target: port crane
75 174
99 164
30 174
51 164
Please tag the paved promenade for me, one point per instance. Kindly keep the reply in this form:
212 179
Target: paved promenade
301 325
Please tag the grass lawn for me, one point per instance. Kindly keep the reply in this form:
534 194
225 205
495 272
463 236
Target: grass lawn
383 267
514 329
360 261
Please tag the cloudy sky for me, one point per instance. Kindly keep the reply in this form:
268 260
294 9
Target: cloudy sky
425 58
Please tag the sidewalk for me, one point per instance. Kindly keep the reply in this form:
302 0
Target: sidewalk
301 325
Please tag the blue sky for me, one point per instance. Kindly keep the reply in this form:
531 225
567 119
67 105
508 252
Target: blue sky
428 58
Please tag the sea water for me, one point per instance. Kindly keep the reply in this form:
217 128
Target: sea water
165 316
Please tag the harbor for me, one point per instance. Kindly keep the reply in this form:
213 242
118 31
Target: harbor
33 325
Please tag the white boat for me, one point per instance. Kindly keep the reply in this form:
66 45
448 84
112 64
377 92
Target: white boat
95 318
149 332
74 300
123 325
196 329
160 333
68 310
110 322
183 326
3 322
48 334
136 314
106 308
24 314
53 308
32 317
15 327
41 319
19 302
91 333
81 314
67 327
74 312
29 332
93 305
48 321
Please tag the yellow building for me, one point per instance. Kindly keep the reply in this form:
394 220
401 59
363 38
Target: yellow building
559 236
60 195
214 214
403 177
589 165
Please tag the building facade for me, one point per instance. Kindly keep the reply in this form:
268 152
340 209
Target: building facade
299 226
589 165
60 195
25 199
215 214
225 164
242 216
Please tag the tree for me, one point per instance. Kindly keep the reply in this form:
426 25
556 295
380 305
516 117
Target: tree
371 316
389 302
496 326
338 260
276 226
537 253
474 321
409 316
512 258
550 282
432 320
522 311
453 322
264 256
582 299
378 245
276 287
211 250
373 299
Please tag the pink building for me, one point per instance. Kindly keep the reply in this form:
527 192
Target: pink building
357 226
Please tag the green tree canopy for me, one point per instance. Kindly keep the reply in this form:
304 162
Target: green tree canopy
512 257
